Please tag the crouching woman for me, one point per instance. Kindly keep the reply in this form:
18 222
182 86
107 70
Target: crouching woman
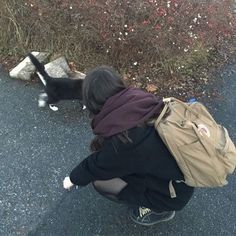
129 163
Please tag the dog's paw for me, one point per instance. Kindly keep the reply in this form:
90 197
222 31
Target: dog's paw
53 107
42 103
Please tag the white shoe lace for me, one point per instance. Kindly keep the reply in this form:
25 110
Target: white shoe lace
143 211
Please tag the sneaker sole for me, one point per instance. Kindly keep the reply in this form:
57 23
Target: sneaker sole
150 224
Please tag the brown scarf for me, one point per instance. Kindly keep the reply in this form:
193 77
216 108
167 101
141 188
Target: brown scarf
125 110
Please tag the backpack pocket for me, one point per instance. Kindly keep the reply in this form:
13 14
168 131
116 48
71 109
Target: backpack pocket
226 150
196 166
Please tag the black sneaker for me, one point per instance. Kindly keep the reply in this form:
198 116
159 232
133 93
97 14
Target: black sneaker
145 216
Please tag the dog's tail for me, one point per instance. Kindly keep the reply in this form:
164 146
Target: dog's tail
40 68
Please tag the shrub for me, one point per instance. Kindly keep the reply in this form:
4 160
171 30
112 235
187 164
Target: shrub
147 40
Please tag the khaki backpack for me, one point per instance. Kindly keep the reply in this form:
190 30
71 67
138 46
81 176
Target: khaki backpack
202 148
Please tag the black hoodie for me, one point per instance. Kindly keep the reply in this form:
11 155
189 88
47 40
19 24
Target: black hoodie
145 164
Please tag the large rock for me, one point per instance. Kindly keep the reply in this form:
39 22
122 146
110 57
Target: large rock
26 69
58 68
77 75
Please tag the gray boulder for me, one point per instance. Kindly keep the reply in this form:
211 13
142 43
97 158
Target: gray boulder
58 68
77 75
25 69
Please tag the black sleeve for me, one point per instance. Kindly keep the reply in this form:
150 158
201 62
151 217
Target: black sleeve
103 165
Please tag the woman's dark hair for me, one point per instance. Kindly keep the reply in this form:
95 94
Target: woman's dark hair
100 84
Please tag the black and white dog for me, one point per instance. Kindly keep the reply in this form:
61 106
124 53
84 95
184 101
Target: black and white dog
56 89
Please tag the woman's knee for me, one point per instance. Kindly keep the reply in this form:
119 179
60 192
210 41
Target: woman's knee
112 186
97 185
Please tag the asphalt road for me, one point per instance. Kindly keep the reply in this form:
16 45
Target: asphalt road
38 148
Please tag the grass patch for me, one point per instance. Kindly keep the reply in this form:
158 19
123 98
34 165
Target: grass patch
160 43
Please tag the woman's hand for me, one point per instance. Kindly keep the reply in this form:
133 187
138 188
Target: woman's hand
67 184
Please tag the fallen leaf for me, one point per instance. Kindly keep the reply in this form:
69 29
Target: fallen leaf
126 76
72 65
151 87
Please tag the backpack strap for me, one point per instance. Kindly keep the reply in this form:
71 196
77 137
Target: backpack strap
187 107
164 110
172 190
167 102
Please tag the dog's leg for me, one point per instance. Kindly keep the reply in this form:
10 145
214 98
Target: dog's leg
42 101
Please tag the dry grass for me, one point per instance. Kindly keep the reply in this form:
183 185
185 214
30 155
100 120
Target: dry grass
150 42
